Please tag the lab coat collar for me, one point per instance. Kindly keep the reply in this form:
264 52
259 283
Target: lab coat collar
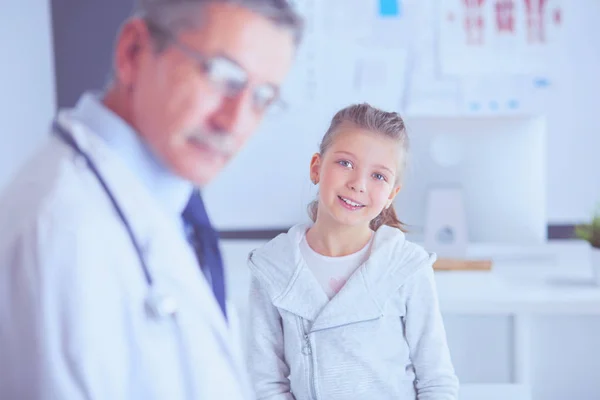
172 191
149 221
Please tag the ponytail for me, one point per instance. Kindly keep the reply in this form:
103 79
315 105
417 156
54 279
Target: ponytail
312 209
387 217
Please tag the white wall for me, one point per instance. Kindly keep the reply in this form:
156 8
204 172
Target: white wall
27 88
277 180
574 126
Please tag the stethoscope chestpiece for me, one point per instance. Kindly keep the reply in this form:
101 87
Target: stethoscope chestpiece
160 306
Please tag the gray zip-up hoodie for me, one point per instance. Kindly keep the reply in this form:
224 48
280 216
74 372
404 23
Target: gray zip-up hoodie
381 337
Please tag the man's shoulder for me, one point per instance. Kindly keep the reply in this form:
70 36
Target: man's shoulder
47 188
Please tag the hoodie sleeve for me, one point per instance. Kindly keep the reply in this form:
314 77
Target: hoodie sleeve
268 369
426 337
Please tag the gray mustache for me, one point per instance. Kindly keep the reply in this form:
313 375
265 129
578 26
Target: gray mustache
222 142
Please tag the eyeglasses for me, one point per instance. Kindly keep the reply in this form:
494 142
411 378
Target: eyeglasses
225 74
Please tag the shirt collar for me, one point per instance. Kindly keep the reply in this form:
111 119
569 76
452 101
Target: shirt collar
172 191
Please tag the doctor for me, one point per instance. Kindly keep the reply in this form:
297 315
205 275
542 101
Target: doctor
111 281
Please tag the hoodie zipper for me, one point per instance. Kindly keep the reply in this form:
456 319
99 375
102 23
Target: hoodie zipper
307 351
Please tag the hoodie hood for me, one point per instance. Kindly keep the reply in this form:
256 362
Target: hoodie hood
291 286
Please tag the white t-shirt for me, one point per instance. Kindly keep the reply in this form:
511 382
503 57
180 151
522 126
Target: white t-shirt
333 272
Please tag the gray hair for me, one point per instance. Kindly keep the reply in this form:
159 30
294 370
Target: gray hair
389 124
171 17
176 16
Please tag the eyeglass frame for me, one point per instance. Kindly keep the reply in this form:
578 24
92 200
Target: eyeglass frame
274 104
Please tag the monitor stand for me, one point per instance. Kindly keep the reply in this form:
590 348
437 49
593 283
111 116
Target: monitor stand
446 223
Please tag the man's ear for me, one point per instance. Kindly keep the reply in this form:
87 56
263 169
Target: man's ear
315 168
133 40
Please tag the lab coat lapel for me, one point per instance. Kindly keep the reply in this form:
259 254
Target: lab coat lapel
169 257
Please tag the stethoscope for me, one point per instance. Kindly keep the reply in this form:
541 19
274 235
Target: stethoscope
158 305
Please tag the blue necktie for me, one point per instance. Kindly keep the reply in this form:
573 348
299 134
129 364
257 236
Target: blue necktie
205 241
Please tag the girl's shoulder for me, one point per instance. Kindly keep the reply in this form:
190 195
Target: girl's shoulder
394 261
275 262
281 246
391 247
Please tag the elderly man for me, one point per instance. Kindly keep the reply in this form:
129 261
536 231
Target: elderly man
111 281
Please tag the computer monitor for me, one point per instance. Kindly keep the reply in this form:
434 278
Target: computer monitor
498 162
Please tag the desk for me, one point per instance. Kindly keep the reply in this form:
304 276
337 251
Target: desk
555 278
524 282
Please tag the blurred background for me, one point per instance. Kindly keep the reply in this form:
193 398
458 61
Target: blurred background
501 103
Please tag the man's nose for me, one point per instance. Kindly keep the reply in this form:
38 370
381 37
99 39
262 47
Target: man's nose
235 114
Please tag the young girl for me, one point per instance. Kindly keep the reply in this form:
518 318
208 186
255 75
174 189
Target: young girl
346 307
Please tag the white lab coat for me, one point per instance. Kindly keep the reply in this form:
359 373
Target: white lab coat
72 292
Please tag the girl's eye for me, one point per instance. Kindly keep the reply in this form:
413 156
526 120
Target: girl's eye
345 163
379 177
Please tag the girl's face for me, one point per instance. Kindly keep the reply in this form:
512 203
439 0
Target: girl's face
357 176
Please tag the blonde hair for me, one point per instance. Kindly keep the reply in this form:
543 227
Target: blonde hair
389 124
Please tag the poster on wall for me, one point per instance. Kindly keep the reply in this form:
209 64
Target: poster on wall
479 37
352 51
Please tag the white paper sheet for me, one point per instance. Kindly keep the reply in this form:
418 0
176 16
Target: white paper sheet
380 77
299 89
350 53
